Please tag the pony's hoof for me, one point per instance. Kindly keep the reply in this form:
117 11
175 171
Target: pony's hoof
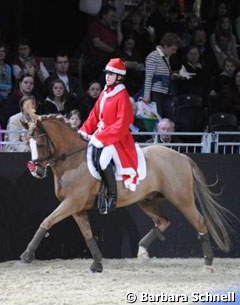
27 256
96 267
142 253
208 269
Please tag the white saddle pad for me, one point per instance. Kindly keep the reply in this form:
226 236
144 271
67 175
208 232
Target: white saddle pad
141 164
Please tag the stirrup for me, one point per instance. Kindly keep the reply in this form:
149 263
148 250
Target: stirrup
102 203
106 204
111 203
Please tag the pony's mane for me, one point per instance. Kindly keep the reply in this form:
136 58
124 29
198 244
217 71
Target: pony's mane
53 116
58 117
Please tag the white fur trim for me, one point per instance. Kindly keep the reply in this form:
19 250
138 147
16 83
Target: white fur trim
107 158
115 70
106 95
96 142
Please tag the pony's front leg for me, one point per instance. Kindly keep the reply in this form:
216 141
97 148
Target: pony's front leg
64 210
82 220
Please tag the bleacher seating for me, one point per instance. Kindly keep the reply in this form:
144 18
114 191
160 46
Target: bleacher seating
190 113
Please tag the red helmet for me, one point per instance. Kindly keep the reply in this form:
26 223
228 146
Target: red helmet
115 65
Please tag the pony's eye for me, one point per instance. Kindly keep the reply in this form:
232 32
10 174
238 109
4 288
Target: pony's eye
40 145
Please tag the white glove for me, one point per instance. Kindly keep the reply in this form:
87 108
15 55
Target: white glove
94 141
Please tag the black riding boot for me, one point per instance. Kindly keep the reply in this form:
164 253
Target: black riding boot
110 182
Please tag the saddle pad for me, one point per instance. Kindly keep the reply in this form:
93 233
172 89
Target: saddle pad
141 164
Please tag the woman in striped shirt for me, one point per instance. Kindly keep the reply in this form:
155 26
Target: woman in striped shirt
158 85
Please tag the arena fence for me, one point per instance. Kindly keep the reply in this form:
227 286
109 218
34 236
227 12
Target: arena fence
186 142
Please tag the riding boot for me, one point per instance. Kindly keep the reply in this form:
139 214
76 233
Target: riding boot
110 182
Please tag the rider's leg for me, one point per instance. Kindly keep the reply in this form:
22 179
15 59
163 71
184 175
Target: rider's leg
108 176
102 162
110 181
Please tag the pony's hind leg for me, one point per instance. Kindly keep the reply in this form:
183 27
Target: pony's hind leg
194 216
153 210
83 223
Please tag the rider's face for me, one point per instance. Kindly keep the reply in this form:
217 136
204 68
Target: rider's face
110 78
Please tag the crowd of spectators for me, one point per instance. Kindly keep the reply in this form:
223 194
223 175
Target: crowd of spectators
168 54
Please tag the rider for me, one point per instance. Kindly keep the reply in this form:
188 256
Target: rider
107 128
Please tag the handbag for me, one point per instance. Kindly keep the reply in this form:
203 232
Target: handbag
148 111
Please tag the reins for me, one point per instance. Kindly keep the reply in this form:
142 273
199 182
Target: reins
65 156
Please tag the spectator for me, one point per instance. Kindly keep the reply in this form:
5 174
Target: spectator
192 22
166 126
158 20
236 20
135 67
15 123
74 119
25 86
196 83
25 53
224 26
225 78
222 8
58 100
104 35
158 83
207 57
30 68
72 84
227 99
89 99
223 49
134 24
5 74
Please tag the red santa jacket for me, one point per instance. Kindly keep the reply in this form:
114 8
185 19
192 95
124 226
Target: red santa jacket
108 123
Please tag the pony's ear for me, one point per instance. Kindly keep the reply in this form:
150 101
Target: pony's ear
24 124
28 109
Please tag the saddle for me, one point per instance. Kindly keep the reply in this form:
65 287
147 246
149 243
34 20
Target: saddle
107 176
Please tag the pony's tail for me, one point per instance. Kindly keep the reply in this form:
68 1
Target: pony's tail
215 215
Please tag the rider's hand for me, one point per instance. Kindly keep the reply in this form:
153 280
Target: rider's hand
85 136
94 141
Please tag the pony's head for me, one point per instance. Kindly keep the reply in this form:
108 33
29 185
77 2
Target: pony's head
50 140
42 149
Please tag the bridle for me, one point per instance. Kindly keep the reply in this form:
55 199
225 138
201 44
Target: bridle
51 157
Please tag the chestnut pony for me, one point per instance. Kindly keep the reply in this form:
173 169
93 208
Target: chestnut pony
170 175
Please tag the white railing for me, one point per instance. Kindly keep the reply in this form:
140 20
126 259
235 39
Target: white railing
197 142
4 138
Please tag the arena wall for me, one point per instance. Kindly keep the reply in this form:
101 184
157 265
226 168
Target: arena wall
26 201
